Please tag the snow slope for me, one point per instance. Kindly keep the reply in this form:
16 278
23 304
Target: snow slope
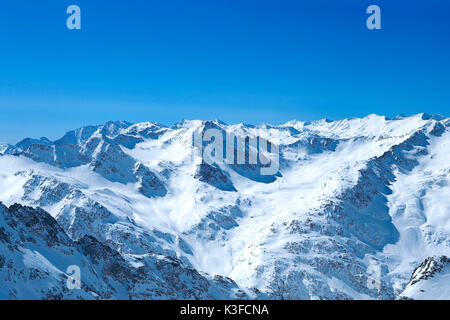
356 206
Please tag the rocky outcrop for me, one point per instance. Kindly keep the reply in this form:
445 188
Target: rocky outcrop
35 253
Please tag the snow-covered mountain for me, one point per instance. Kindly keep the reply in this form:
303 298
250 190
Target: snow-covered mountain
358 209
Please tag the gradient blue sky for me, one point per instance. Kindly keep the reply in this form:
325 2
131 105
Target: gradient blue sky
237 60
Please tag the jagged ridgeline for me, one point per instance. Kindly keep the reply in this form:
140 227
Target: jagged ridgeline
356 209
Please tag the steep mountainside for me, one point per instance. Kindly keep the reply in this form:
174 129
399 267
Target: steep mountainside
355 207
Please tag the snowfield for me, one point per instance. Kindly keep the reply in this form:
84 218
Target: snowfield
359 209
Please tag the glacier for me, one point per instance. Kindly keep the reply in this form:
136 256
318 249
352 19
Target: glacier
359 209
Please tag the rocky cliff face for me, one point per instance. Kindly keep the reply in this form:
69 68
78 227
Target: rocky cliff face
355 207
36 254
429 280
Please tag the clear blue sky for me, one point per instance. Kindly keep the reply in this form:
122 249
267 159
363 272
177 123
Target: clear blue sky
237 60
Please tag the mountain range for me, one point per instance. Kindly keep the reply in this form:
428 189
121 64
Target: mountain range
359 209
